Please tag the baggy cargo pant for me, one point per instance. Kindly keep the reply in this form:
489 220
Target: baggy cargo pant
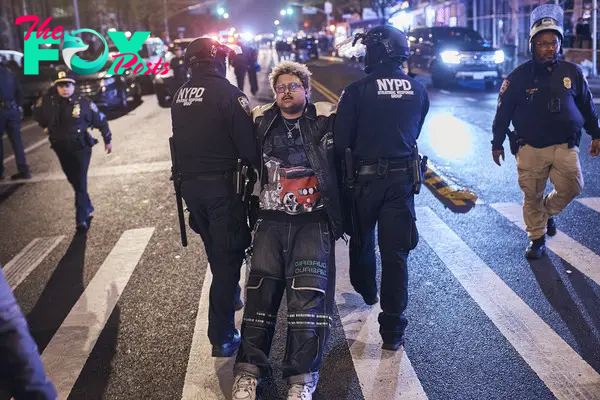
300 259
561 164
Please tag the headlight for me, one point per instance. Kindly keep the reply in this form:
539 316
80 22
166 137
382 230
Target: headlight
450 57
499 57
107 81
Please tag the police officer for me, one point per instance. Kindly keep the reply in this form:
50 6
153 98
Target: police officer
212 129
21 368
380 118
548 102
10 121
66 117
177 64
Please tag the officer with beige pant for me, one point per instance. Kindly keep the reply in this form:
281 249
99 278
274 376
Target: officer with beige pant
548 102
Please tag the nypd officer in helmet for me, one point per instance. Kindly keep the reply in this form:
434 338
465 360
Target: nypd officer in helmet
65 118
548 102
379 119
212 129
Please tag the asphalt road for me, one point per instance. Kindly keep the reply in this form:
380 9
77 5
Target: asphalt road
120 313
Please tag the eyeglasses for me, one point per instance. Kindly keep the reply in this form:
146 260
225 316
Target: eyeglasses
547 45
292 87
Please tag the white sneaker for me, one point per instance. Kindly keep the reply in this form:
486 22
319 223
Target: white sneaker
301 391
244 387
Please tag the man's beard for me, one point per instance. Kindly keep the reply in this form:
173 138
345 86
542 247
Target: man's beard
293 108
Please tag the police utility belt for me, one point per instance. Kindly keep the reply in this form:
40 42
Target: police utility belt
517 142
383 167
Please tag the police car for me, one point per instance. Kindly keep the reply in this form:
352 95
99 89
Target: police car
450 54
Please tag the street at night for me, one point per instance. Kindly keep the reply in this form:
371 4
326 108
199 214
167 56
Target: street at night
121 311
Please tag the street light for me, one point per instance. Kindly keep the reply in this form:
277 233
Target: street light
226 15
276 22
290 11
220 11
282 12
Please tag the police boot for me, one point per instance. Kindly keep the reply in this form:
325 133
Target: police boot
536 248
21 175
228 348
551 227
393 346
244 387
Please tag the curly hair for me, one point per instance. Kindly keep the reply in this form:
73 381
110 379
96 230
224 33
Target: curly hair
293 68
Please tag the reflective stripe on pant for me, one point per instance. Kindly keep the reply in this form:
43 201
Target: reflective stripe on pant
561 164
299 258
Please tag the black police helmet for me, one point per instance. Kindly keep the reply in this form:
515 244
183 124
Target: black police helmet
205 50
384 44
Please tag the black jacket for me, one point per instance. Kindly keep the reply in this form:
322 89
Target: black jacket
525 99
316 129
381 115
212 126
68 120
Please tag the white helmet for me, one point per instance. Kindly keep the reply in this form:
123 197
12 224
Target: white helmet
548 17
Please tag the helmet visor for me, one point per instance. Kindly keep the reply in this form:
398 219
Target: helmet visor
352 46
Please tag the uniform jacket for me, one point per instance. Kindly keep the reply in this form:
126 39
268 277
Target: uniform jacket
525 99
68 120
381 115
20 364
212 126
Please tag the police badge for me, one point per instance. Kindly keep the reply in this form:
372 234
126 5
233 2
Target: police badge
567 83
76 110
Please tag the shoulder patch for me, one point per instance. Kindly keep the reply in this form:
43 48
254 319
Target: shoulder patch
505 84
325 108
245 103
93 106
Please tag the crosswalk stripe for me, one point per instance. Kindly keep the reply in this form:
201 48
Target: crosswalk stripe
69 349
28 259
576 254
116 170
381 374
206 376
542 348
591 202
34 146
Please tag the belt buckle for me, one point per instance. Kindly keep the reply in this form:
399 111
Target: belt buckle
382 167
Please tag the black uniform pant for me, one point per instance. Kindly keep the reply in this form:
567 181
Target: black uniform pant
219 216
388 203
300 258
252 77
75 165
240 75
10 122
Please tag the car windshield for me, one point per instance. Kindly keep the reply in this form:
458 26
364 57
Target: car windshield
458 36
